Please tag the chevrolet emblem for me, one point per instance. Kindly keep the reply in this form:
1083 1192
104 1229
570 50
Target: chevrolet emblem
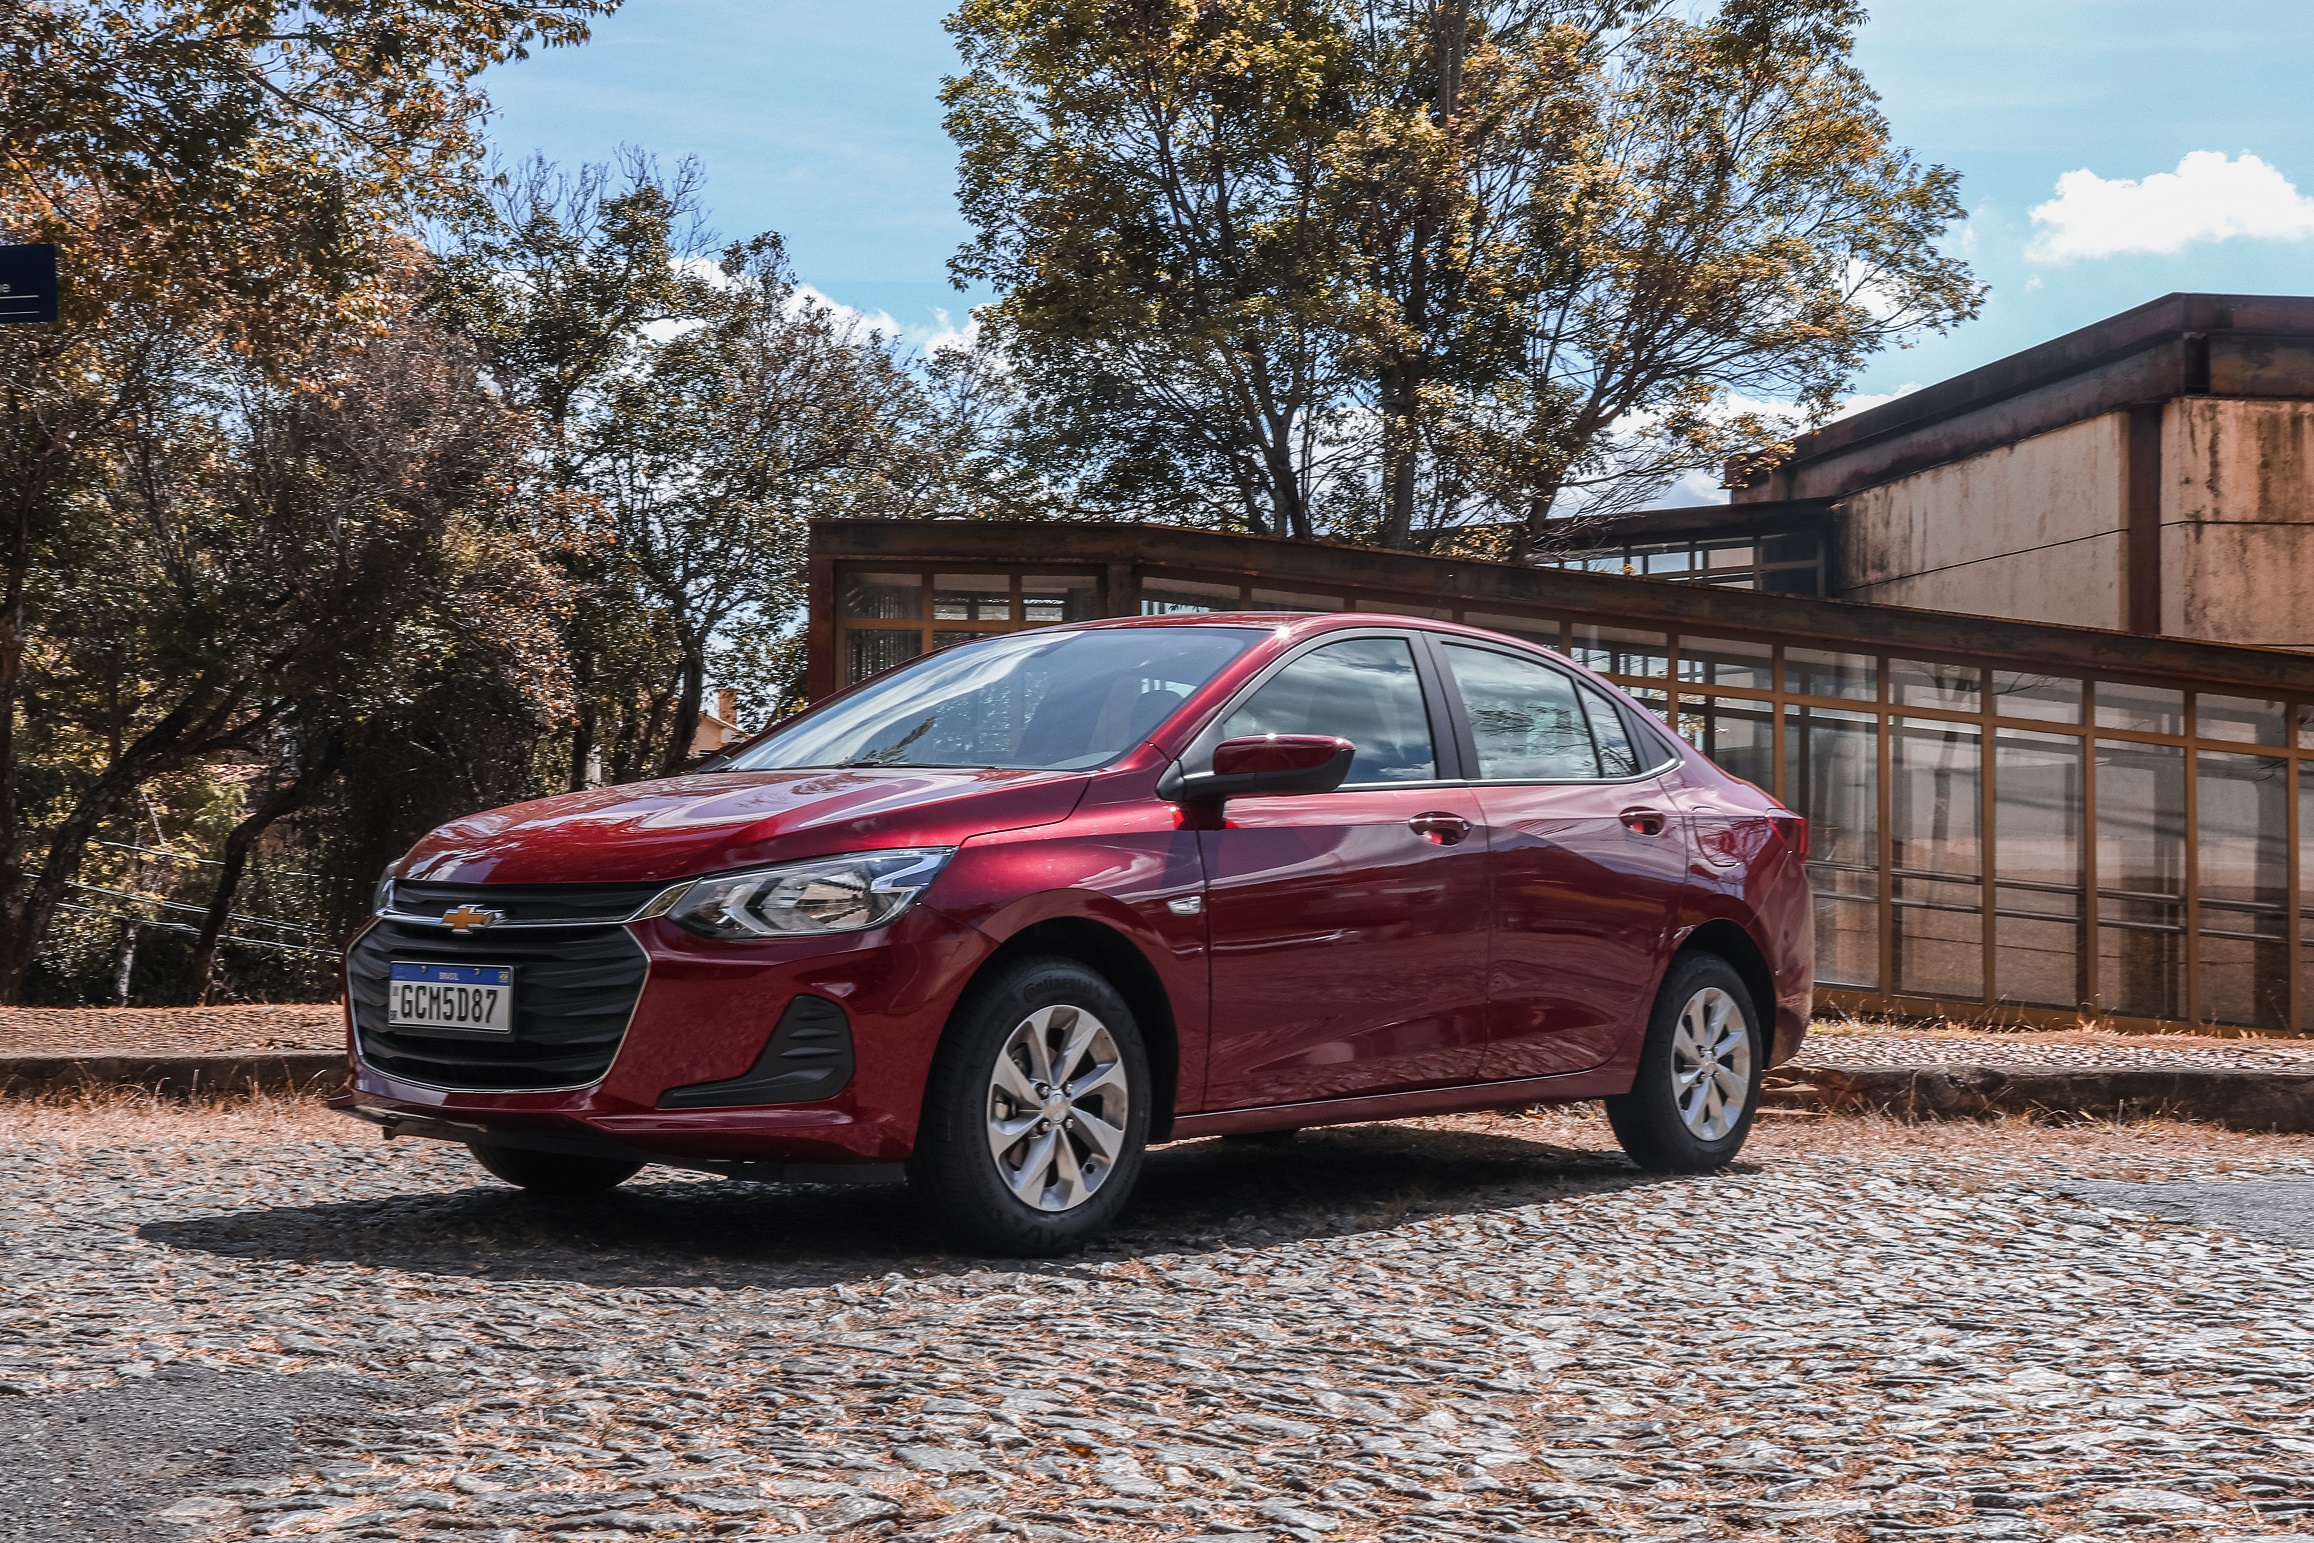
466 918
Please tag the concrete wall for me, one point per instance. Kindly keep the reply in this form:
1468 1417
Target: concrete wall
2031 530
2237 521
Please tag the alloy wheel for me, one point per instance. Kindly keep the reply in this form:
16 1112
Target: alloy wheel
1057 1108
1711 1064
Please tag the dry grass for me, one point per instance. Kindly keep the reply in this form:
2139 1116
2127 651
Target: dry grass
126 1116
2088 1030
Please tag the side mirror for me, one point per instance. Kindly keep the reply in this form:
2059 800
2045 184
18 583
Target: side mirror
1272 765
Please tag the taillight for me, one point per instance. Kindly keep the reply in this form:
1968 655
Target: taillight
1793 828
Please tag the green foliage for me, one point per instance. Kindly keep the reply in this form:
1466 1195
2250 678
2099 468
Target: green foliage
1381 270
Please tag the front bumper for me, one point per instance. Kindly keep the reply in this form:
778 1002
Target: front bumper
705 1014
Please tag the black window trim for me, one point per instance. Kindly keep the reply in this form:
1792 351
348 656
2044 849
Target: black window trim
1445 744
1466 742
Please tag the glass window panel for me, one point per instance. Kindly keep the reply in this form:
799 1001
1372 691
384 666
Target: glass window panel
1940 941
2305 897
1169 597
1047 598
1734 554
1727 662
2306 727
1738 735
1361 689
2242 805
2234 717
2243 847
950 639
872 652
1793 547
1934 807
1534 629
1751 581
2141 879
972 597
2048 698
1791 581
1935 820
1679 560
884 596
2147 709
1286 600
1831 775
1619 651
1617 757
1524 717
2039 944
1955 687
1813 672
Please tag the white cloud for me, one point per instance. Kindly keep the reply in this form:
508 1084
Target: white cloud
1865 401
2208 198
926 340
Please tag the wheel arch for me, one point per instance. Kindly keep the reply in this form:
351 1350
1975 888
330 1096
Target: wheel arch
1102 948
1731 942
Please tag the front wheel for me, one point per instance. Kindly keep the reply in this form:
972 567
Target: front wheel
553 1173
1691 1105
1037 1116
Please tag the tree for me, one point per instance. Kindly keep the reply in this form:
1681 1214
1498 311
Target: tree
223 177
700 406
1387 269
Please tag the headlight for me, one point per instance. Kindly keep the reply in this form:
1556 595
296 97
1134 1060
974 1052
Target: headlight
382 898
826 894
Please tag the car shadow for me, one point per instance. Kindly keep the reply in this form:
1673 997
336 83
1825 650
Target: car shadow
1195 1197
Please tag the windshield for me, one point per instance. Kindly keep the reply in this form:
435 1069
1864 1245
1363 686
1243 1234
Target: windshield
1051 701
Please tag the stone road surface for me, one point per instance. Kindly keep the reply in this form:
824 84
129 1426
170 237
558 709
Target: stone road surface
258 1323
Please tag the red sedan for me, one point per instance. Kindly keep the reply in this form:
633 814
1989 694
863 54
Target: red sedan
999 919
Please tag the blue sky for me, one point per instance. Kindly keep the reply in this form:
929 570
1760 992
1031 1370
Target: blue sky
819 120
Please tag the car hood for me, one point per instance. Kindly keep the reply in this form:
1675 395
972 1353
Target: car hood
676 827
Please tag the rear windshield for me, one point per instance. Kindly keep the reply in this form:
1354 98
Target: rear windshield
1050 701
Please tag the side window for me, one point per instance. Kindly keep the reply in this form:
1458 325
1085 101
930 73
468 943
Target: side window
1363 690
1524 717
1617 756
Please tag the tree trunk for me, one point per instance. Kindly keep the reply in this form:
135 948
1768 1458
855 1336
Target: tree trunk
286 799
689 699
1397 391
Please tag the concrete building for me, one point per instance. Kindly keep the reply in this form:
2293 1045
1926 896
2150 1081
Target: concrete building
2152 473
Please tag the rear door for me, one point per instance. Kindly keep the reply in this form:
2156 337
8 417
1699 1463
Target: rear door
1587 863
1348 929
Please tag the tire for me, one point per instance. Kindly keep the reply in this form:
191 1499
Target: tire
1071 1163
553 1173
1703 1020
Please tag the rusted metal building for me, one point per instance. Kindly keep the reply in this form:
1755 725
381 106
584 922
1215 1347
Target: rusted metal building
2018 645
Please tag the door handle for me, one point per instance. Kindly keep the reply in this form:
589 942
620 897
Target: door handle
1440 829
1642 821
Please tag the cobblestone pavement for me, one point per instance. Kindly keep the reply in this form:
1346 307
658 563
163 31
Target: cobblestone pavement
1458 1329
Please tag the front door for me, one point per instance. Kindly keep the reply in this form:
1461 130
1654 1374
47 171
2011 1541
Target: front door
1348 929
1587 863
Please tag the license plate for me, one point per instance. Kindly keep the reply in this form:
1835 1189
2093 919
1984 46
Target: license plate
463 998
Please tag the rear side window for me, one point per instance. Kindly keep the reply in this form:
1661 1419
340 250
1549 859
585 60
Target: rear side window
1363 690
1617 758
1524 718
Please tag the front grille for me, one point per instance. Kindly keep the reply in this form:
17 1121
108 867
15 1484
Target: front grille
574 990
527 902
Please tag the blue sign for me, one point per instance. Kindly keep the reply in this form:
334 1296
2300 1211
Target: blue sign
28 283
455 974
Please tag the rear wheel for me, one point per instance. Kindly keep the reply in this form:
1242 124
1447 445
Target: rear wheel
1698 1086
553 1173
1037 1116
